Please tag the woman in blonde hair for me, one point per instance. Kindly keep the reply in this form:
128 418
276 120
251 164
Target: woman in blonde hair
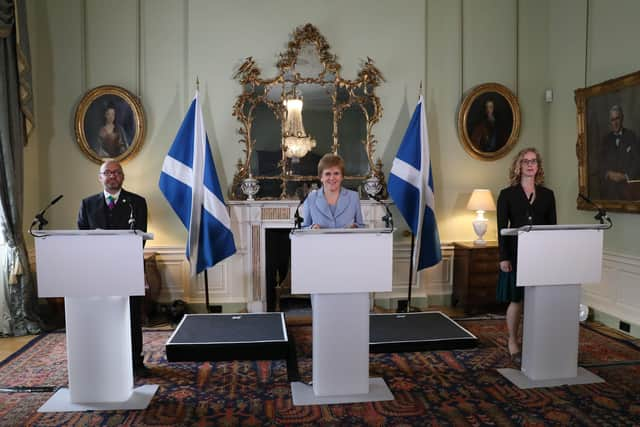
524 202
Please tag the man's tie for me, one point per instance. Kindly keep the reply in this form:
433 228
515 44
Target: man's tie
110 202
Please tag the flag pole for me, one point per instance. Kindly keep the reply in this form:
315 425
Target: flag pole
413 240
206 271
206 290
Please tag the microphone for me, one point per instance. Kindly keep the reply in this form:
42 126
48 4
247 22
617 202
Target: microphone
132 218
40 219
388 218
298 220
601 215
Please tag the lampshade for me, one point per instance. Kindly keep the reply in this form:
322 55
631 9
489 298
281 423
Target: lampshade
481 200
296 141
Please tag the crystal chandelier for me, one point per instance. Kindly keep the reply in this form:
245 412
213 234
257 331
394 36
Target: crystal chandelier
296 141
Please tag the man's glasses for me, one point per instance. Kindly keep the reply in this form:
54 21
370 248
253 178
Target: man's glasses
111 173
529 161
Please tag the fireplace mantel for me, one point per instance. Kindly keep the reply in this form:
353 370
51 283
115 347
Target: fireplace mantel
239 282
249 220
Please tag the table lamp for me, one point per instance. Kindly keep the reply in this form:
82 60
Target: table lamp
481 201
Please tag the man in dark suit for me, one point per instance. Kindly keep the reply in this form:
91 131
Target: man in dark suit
117 209
619 158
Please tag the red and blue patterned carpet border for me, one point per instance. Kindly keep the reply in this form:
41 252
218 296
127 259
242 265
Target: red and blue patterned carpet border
439 388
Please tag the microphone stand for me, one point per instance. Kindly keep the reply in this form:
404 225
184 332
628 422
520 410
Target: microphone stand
40 219
298 220
601 215
387 218
132 218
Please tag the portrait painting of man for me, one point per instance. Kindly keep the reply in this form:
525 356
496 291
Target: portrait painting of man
490 122
613 123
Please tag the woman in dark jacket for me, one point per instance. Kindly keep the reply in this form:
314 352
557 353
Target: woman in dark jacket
525 202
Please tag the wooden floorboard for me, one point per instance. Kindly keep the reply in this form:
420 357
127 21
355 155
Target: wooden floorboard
9 345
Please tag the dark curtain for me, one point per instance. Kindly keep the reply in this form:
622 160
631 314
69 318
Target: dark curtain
17 297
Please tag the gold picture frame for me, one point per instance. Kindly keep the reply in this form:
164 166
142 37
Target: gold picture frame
608 146
489 121
109 123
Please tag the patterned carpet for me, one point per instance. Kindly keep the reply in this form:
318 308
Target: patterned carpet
460 388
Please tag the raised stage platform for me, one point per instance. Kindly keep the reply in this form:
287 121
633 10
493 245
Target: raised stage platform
422 331
263 336
246 336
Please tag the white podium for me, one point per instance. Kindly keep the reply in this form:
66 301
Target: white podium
553 261
339 267
95 271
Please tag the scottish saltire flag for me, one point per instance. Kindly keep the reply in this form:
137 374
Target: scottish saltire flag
190 184
411 188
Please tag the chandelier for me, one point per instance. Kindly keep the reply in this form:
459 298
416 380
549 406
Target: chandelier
296 141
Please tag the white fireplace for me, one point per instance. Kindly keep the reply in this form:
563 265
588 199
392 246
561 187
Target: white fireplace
249 222
239 282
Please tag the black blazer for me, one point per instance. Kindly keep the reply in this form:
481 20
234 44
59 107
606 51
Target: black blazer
94 212
514 211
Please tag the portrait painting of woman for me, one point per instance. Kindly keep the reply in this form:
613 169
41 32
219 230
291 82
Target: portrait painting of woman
112 138
109 124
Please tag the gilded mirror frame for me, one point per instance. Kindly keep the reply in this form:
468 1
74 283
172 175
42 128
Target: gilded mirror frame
359 93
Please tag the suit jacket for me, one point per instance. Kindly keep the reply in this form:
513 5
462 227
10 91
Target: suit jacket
94 212
623 157
316 210
514 211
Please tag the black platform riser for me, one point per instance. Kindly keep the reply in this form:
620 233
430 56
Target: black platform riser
216 352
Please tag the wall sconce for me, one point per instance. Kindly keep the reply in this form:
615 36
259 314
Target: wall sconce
481 201
296 141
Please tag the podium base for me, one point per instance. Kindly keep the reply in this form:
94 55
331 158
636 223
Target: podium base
523 382
61 401
303 394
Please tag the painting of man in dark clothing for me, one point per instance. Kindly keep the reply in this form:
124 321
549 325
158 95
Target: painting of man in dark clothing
489 121
608 145
619 158
492 131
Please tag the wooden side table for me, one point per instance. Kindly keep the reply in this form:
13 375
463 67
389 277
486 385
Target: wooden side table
475 276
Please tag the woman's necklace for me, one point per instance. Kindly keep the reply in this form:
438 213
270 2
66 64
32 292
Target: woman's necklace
529 191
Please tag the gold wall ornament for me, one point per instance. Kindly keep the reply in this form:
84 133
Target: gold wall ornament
489 121
109 123
280 150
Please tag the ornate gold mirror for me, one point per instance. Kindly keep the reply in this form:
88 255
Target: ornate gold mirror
290 121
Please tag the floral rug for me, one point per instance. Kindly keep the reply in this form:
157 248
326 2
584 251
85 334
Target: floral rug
459 387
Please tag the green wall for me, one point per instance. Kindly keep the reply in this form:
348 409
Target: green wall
156 48
589 42
469 43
